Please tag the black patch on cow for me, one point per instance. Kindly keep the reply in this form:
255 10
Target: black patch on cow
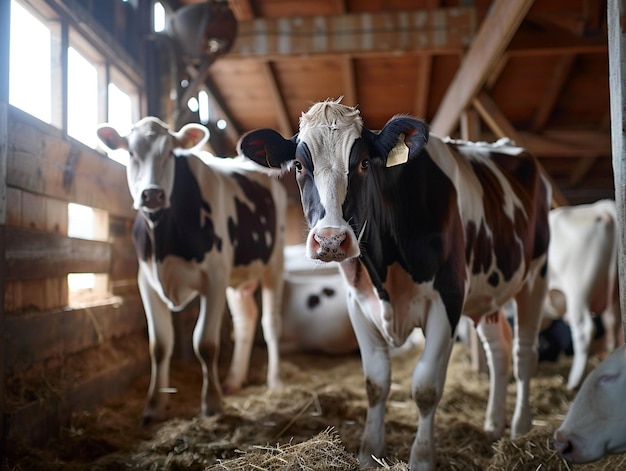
253 234
412 219
494 279
328 292
185 229
313 301
313 209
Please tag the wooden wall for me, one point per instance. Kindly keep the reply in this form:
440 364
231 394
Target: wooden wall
58 358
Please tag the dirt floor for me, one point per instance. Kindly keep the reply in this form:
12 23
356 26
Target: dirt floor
314 422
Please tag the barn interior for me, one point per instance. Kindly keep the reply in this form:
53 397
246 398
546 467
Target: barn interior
533 71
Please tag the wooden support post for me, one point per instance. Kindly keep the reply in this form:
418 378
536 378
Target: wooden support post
616 14
5 16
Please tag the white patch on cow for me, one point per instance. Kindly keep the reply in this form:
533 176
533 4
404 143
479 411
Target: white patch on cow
330 133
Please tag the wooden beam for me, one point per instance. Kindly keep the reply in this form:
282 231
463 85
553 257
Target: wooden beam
442 31
580 170
616 14
487 47
33 255
284 125
423 86
242 9
470 125
565 145
561 72
349 81
494 118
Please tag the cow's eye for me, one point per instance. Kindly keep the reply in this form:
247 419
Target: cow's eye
298 165
365 164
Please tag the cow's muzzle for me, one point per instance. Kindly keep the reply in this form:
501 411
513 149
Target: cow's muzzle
152 199
332 245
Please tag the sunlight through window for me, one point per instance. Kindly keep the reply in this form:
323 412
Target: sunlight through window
82 113
29 64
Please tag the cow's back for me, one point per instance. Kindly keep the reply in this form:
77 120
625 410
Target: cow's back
253 207
503 202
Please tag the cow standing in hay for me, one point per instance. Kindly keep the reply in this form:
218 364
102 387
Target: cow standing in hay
212 230
425 230
583 277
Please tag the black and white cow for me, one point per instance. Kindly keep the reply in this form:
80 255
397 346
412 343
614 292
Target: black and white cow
212 230
425 230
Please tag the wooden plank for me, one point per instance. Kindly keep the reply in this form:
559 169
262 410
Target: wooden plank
35 337
42 161
32 255
487 47
616 14
562 70
422 94
284 125
443 30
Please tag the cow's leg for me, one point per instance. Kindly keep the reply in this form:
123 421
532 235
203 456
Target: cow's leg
161 343
427 384
245 313
527 322
272 295
495 334
377 372
206 337
581 324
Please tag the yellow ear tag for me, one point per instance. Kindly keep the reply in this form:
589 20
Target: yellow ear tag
399 154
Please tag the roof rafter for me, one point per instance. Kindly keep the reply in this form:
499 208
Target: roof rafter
494 118
488 46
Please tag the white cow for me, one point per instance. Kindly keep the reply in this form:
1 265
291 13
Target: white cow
315 310
595 425
583 275
212 230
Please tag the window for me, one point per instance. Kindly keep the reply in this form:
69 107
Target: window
82 98
37 74
29 64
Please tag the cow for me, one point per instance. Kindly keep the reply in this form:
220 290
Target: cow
211 230
424 230
583 276
594 425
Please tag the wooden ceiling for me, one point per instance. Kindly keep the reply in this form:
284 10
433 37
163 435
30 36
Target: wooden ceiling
535 71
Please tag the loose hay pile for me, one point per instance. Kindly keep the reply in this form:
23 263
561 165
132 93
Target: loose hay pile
315 422
323 451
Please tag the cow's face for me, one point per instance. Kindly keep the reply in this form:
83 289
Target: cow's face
152 148
336 161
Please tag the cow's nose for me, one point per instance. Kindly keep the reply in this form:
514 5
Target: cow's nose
330 245
563 444
153 198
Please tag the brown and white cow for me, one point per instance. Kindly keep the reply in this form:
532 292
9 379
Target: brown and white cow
583 276
594 425
425 230
212 230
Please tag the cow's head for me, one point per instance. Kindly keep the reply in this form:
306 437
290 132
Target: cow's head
338 162
152 148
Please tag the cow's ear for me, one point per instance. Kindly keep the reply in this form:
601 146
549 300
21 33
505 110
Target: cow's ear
402 138
110 138
191 136
268 148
